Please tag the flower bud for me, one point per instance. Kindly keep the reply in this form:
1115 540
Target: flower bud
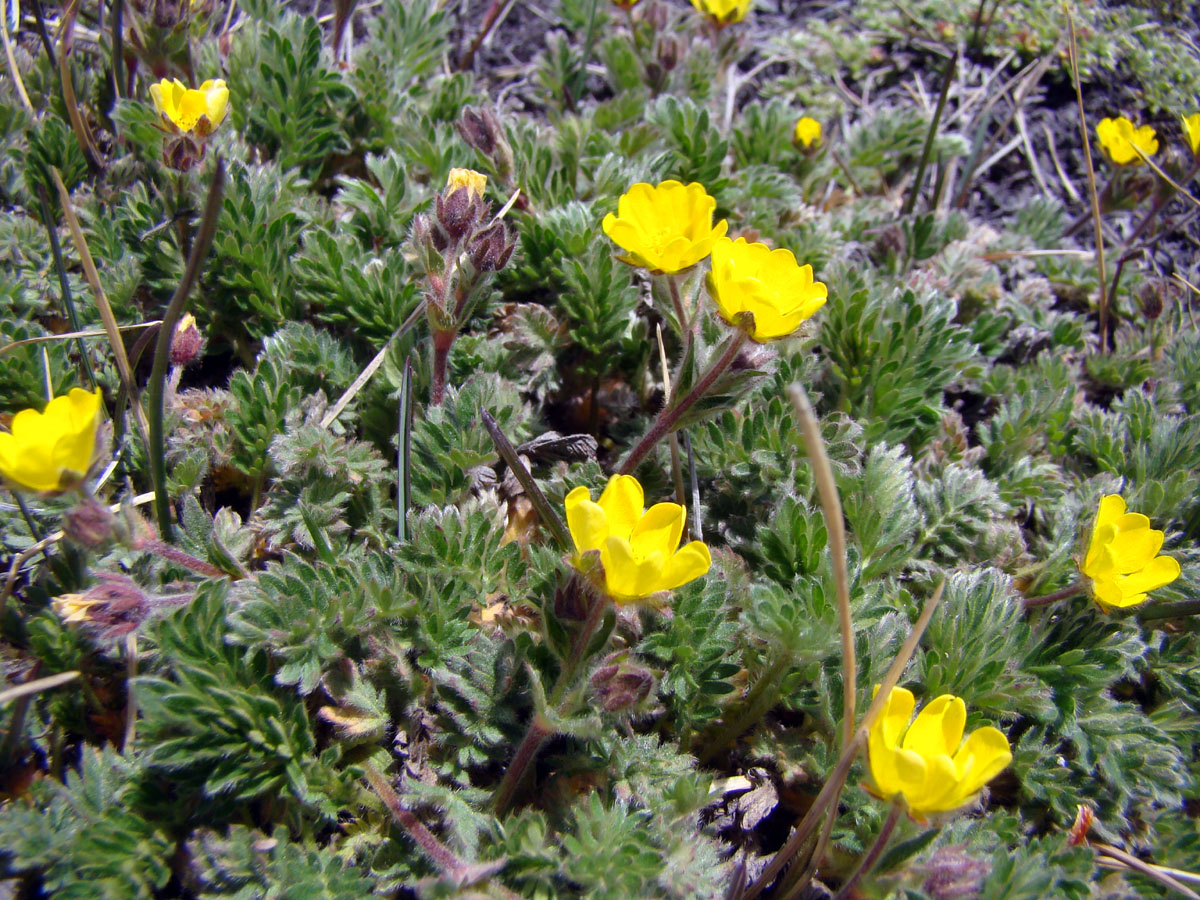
187 341
953 875
480 129
668 50
182 152
491 248
655 15
90 524
1151 296
456 212
115 607
620 683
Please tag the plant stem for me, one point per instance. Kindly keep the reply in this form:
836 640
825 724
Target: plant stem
162 349
437 852
177 556
1161 199
832 788
442 343
1046 599
539 728
947 78
669 416
760 698
872 857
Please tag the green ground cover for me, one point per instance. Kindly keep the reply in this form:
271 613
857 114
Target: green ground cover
552 449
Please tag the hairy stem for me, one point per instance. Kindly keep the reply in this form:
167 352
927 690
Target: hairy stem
670 415
1046 599
162 349
872 857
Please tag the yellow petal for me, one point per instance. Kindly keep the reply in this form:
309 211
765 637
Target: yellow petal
938 728
1108 593
1135 543
623 503
687 564
938 791
659 530
983 756
586 521
1191 130
894 717
628 579
1159 572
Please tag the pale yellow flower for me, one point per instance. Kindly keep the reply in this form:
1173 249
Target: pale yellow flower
723 12
753 278
808 132
666 228
1121 141
638 547
1191 131
927 762
1122 559
51 450
74 607
474 182
197 110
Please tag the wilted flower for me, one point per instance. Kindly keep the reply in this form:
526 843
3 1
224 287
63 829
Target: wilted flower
666 228
807 133
769 283
1122 559
474 182
115 606
927 762
1191 131
723 12
638 547
52 450
196 110
1121 141
186 342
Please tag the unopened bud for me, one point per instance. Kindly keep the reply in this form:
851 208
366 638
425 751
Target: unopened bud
187 341
953 875
90 524
182 152
480 129
668 50
115 606
891 243
1151 296
456 212
621 683
491 248
655 15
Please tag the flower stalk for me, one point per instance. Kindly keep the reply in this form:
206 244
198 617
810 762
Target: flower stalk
162 349
671 415
868 862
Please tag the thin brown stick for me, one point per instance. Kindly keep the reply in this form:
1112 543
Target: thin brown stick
1144 868
833 786
105 308
835 525
1091 172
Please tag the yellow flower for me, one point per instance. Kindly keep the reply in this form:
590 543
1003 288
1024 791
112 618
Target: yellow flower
51 450
198 110
1121 142
1191 130
638 547
474 182
808 132
928 762
74 607
1122 559
723 12
666 228
769 283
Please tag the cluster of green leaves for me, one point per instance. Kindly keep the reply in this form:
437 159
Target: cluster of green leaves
970 421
